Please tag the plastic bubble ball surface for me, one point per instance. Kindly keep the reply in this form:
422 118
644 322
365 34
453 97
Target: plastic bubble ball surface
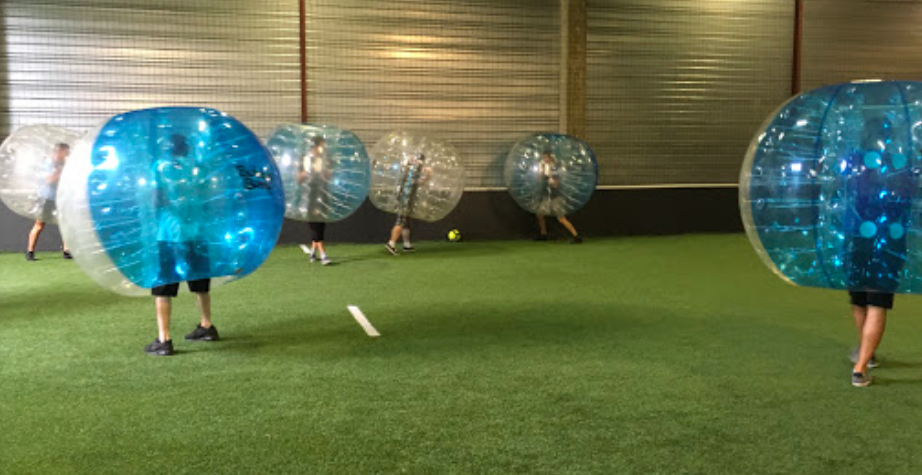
31 163
325 171
551 174
160 196
415 176
829 191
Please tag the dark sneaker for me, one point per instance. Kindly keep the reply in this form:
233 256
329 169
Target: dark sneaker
68 255
158 348
861 380
576 240
409 249
391 249
540 237
203 334
872 363
30 256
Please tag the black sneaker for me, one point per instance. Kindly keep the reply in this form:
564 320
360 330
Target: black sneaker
861 380
203 334
391 249
409 249
576 240
540 237
158 348
68 255
30 256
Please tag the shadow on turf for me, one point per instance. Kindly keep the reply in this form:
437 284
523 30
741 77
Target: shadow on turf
417 331
65 303
884 381
902 364
440 250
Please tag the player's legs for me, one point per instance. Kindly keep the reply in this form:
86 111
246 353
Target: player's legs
542 228
871 334
567 224
36 231
405 233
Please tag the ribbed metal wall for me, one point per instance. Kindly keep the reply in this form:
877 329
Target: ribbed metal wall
73 63
861 39
480 74
676 88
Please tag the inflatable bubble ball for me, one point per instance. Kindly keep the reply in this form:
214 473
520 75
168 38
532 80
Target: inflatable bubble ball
415 176
31 162
325 171
829 191
173 194
551 174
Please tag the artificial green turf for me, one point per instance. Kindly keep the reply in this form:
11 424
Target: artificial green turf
643 355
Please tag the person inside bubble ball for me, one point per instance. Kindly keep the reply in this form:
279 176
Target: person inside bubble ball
875 246
48 194
549 173
180 242
313 167
415 173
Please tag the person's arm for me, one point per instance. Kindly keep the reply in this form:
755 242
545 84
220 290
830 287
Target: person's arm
301 177
55 176
425 175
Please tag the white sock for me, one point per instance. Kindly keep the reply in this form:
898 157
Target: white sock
406 238
323 255
392 243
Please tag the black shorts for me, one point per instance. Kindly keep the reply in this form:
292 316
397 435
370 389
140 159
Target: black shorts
317 230
170 290
876 299
49 207
403 221
196 256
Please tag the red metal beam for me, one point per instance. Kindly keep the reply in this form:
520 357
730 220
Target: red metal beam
798 43
303 47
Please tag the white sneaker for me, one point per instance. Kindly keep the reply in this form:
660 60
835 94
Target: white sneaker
325 261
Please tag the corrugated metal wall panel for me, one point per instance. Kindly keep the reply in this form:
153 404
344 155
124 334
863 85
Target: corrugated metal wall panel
73 63
676 88
868 39
479 74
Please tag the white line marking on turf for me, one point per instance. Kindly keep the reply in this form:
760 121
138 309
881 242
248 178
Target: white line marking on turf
360 317
306 249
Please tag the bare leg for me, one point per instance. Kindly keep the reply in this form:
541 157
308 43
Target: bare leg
871 333
566 223
542 225
395 234
860 314
164 309
319 246
204 307
34 234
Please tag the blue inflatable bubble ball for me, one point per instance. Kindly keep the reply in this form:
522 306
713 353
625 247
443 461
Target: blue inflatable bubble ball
551 174
31 162
415 176
325 171
159 196
828 186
